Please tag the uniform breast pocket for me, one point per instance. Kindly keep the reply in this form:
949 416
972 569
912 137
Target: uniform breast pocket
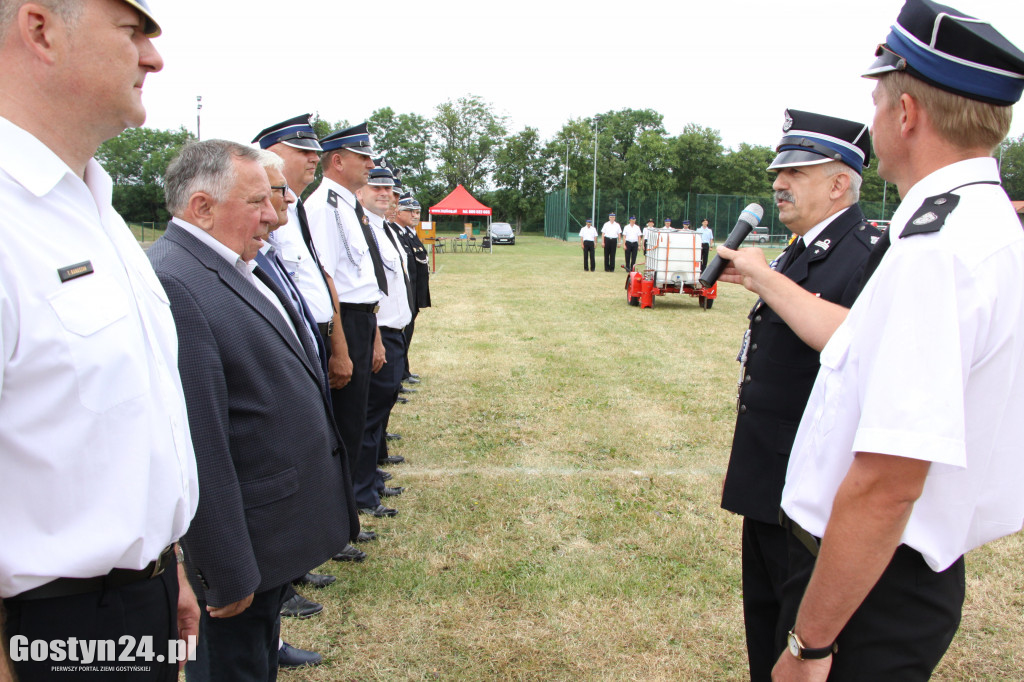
292 258
786 347
104 341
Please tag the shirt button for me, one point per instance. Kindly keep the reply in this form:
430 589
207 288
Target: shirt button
747 379
743 409
757 318
753 348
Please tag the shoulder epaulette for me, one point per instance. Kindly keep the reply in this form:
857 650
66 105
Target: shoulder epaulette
332 198
932 215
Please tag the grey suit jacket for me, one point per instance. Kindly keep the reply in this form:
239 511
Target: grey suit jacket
273 503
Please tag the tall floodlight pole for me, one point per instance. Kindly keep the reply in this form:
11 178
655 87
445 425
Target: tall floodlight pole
567 188
593 198
199 107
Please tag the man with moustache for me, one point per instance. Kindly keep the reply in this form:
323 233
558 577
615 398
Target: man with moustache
97 469
817 198
908 453
343 238
268 453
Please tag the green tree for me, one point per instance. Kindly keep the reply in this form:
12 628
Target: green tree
466 135
519 175
695 158
405 140
743 171
137 160
1011 168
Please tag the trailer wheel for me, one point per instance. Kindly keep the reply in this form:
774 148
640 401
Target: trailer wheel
702 302
635 300
707 305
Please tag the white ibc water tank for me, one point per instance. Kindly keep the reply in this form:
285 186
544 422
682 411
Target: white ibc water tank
673 256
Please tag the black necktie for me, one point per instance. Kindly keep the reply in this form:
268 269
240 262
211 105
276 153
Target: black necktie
307 237
798 248
303 338
874 258
394 239
371 243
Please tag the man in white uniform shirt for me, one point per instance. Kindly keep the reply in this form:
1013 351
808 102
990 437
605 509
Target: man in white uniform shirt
97 468
908 454
588 241
610 232
631 237
394 314
342 236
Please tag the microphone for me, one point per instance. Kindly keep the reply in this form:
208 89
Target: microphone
749 218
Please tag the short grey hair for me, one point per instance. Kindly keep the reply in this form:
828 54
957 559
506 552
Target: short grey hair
206 166
70 11
834 168
270 160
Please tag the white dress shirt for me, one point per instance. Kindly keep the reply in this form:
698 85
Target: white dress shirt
588 233
394 308
632 233
301 266
97 469
611 230
929 365
341 245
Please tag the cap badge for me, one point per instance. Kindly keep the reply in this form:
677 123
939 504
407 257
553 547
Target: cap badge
788 123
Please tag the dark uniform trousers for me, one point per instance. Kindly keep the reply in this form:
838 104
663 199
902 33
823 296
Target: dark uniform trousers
704 248
350 402
144 608
901 630
252 634
765 569
384 387
610 247
631 250
588 253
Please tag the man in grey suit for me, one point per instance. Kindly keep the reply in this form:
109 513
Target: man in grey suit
249 369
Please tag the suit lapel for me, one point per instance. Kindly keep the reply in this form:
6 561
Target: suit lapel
244 289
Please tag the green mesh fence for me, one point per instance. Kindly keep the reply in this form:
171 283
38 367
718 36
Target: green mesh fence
563 219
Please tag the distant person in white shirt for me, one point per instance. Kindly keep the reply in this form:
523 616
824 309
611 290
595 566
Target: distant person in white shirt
588 242
610 231
632 235
707 238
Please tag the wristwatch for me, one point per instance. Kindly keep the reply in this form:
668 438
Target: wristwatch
797 648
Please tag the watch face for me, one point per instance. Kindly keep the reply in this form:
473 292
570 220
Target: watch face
794 645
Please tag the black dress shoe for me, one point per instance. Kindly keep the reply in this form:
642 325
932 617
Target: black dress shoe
350 553
384 475
315 580
412 375
411 380
392 459
403 389
380 511
290 657
403 399
393 436
365 536
392 492
300 607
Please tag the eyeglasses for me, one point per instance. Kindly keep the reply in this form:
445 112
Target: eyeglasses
283 188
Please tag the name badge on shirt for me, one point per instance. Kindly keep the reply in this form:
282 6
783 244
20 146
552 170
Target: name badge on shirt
70 272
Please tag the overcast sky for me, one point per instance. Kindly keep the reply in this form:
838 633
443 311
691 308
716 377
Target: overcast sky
732 65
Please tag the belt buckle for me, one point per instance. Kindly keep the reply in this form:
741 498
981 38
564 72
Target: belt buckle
330 326
376 308
158 565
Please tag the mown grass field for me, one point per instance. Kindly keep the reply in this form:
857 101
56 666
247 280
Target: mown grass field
561 519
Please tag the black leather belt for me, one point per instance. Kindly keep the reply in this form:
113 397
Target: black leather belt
812 543
392 329
326 328
361 307
118 577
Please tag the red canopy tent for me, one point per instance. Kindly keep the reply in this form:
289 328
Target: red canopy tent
460 202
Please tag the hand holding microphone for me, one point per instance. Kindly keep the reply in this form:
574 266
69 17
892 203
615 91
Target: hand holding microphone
748 220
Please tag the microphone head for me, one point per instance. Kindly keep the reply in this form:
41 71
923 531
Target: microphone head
752 214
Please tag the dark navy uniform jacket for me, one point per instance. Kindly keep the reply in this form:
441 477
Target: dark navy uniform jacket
781 369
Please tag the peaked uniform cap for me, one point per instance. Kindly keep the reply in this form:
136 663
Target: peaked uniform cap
295 132
810 139
355 139
952 51
150 29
